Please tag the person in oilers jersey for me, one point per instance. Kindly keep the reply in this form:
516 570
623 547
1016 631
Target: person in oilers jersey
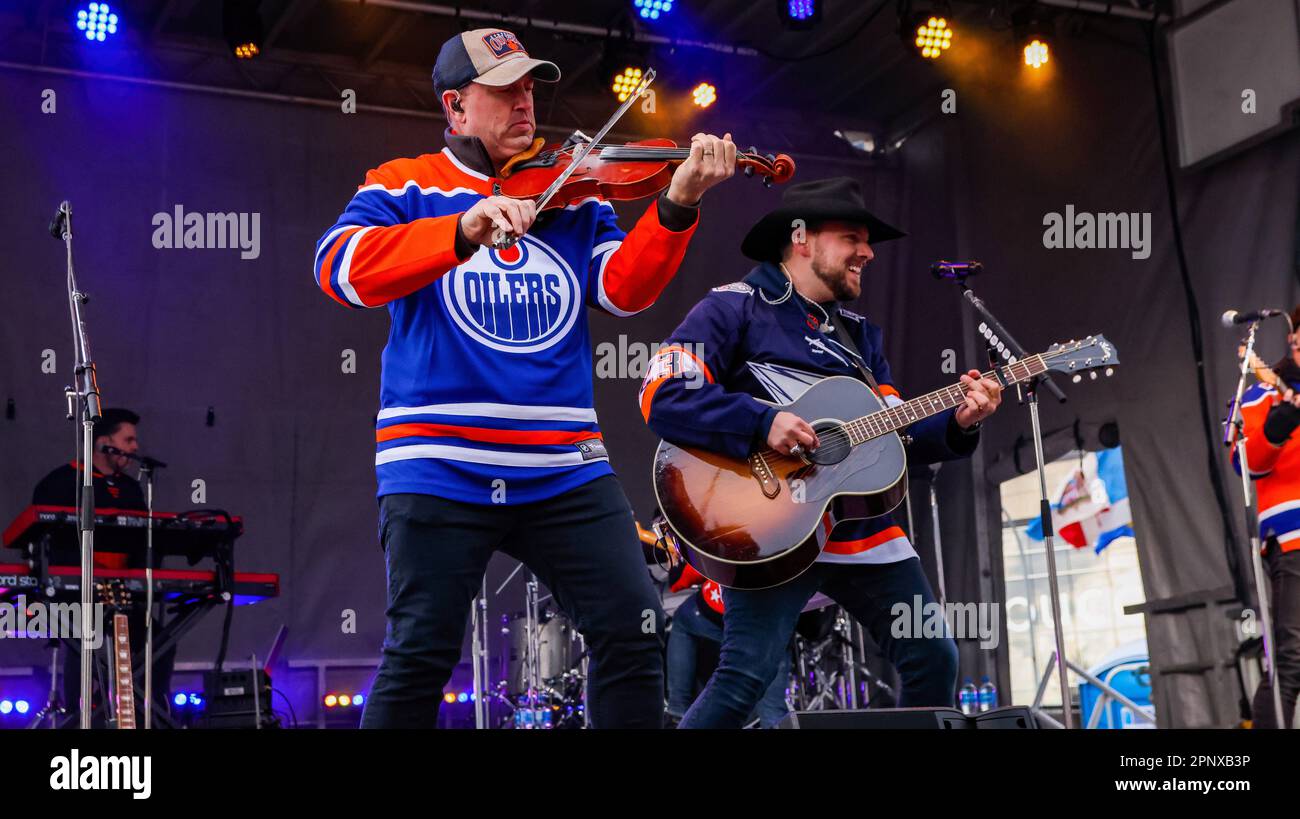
486 436
1270 415
772 336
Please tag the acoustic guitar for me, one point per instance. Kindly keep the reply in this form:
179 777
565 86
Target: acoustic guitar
762 521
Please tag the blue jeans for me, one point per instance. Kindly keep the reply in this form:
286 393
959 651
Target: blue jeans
689 627
758 626
582 544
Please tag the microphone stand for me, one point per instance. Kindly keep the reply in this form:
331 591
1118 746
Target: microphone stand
1010 349
1235 423
147 466
84 401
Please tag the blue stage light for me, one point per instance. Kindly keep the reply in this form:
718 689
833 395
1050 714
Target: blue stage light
800 14
6 706
97 21
652 9
22 706
462 697
359 699
180 698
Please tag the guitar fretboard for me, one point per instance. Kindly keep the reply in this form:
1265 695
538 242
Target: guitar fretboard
892 419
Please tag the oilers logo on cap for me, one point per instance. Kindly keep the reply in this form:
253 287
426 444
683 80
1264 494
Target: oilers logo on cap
503 44
491 56
519 300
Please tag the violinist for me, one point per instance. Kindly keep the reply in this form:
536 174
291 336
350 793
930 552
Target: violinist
1270 412
486 437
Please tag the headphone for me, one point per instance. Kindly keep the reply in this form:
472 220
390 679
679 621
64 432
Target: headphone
455 105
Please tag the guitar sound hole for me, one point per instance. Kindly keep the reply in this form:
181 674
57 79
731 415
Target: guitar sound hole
834 444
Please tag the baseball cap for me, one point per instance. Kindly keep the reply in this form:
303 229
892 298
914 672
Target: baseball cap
489 56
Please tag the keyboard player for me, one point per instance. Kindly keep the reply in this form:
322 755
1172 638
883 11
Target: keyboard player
114 489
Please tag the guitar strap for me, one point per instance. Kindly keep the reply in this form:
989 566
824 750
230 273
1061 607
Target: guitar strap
847 340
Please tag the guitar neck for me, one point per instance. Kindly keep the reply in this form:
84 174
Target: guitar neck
892 419
124 681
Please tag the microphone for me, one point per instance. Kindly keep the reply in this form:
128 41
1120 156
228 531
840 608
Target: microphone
144 460
60 219
1233 317
955 270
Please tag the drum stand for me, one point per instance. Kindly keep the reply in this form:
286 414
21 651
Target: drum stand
479 656
834 665
532 645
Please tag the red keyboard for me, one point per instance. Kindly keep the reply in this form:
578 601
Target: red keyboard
169 584
174 532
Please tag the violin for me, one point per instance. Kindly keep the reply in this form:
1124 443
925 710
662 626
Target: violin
622 173
579 168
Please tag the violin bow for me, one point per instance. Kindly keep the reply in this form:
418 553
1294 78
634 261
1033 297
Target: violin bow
502 240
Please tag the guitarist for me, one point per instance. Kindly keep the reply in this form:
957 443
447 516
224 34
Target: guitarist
1270 413
772 336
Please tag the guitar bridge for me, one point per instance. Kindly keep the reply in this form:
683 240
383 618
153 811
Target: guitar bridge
763 474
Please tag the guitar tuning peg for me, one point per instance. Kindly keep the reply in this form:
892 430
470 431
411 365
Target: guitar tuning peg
767 181
1077 378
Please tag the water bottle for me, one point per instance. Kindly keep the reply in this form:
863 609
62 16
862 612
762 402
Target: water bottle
988 695
968 697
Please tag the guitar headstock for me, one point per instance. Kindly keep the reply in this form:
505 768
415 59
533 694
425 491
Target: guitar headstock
113 594
1084 355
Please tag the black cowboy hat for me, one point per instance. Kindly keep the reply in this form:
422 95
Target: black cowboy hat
836 199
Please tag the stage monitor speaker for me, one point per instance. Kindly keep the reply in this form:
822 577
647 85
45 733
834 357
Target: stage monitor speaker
1010 716
893 719
230 701
878 719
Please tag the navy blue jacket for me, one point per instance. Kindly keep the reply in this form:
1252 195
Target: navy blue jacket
757 339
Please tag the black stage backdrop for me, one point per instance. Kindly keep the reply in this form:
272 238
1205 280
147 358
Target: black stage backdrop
290 446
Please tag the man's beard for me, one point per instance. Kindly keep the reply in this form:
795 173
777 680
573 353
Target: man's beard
838 283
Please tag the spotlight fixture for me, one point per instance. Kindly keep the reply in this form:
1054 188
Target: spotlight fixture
241 24
1033 35
652 9
799 14
704 95
1036 53
97 22
625 84
926 27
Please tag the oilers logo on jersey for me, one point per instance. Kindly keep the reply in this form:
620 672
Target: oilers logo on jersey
522 299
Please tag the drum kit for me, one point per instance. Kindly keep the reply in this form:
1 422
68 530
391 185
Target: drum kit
545 669
546 658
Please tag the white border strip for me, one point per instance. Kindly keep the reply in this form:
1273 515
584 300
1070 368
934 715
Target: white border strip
521 412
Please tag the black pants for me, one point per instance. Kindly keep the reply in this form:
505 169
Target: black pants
582 544
1284 573
758 624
